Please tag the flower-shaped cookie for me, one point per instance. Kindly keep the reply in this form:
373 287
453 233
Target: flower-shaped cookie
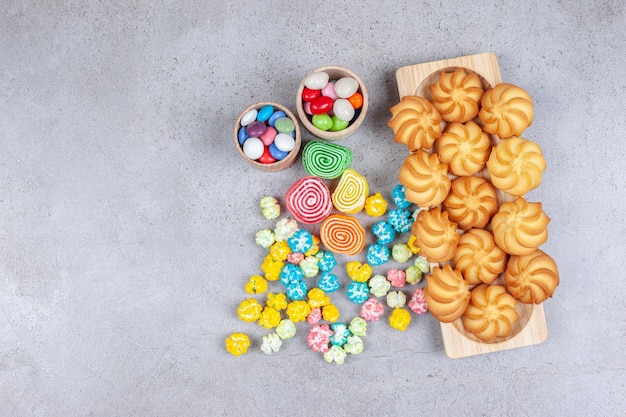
435 235
506 110
491 312
425 179
464 147
415 123
447 294
520 227
456 95
516 165
471 202
532 278
479 258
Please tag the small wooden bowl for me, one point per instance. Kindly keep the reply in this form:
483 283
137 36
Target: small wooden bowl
278 165
335 72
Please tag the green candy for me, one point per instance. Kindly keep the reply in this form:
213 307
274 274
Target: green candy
284 125
325 160
322 121
338 124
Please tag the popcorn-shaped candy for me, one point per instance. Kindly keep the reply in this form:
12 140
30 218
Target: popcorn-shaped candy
358 326
413 275
295 257
256 285
354 345
297 290
340 335
400 319
399 198
400 220
249 310
271 208
286 329
401 252
284 229
330 313
379 285
372 310
309 266
411 244
377 254
384 232
269 318
396 277
326 261
415 213
318 298
265 238
291 273
315 247
396 299
318 338
300 241
272 268
280 250
375 205
422 263
271 343
298 310
335 354
276 301
358 272
314 316
237 344
328 282
357 292
417 304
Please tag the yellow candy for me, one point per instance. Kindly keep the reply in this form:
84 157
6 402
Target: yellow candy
269 318
277 301
411 244
272 268
315 247
375 205
330 313
249 310
298 310
280 250
400 319
351 191
256 285
318 298
358 272
237 344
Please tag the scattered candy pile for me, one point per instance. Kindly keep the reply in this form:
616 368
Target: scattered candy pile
266 135
296 257
332 104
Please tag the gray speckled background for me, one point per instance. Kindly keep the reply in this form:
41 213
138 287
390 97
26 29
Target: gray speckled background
127 218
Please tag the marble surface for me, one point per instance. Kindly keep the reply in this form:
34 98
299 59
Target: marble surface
127 218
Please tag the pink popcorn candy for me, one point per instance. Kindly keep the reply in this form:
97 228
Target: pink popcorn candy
397 277
314 316
295 257
318 338
417 304
372 310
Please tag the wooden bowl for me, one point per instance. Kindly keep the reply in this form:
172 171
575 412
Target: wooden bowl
334 72
278 165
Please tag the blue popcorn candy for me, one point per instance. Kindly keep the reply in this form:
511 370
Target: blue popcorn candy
377 254
328 282
327 261
358 292
384 232
340 335
300 241
404 226
399 198
297 290
397 219
290 273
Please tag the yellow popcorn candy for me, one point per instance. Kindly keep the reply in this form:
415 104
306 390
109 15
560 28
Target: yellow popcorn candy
411 244
318 298
400 319
298 310
269 318
237 344
280 250
272 268
277 301
315 247
358 272
249 310
256 285
375 205
330 313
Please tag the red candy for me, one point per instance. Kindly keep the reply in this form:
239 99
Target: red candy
267 157
310 95
321 105
308 199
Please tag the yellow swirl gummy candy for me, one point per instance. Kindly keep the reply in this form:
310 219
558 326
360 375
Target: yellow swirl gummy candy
350 194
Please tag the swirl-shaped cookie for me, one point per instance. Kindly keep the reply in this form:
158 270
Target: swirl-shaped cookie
447 293
520 227
435 235
478 257
456 95
415 123
516 165
464 147
531 278
425 179
506 110
471 202
490 313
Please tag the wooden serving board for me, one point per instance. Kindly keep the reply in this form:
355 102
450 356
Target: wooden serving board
531 328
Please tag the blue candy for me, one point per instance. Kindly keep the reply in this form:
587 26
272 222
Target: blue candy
328 282
358 292
340 335
297 290
300 241
377 254
275 116
277 153
399 198
265 113
242 135
327 261
398 220
290 273
384 232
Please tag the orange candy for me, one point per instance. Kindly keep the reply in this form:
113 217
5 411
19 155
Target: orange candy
342 234
356 100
